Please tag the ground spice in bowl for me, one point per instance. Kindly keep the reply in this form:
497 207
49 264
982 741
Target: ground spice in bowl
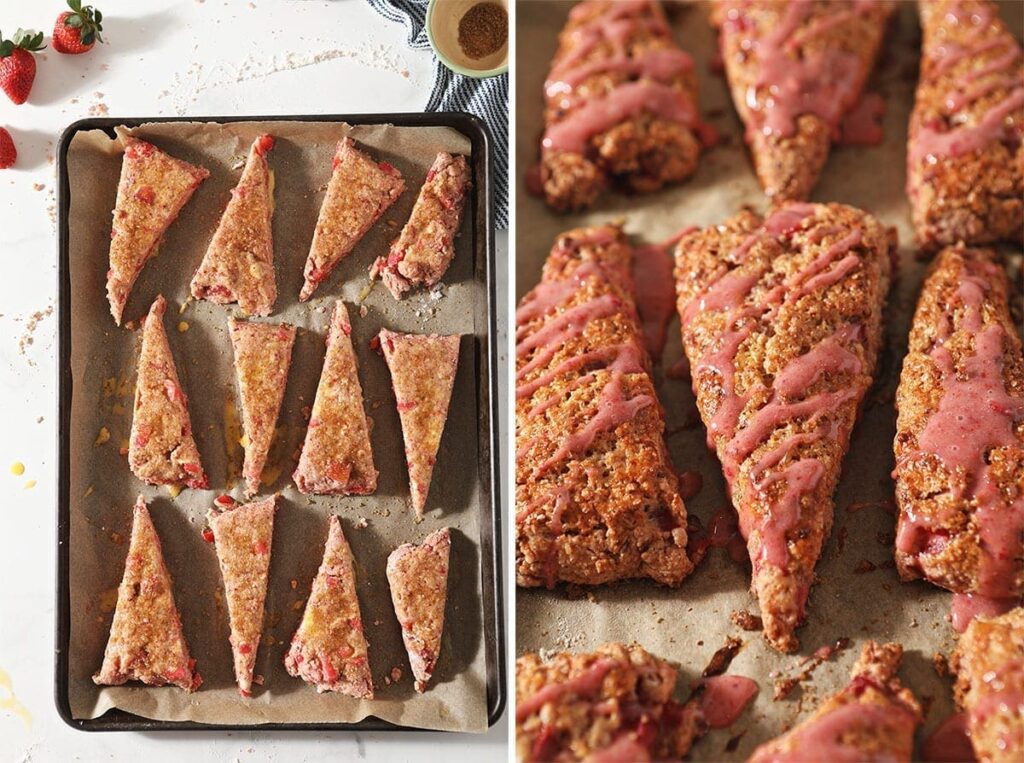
483 29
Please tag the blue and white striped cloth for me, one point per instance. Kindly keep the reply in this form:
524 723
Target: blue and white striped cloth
486 98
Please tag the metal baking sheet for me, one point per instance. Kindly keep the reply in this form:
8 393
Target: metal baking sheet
473 621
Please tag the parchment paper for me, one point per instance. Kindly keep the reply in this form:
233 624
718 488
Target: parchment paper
103 489
687 625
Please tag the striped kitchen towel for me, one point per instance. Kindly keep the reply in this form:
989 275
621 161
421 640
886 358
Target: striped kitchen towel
486 98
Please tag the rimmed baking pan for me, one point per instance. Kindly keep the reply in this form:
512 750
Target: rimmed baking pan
96 366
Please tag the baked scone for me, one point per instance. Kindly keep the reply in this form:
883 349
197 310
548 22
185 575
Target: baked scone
424 249
243 536
239 263
151 192
989 664
794 70
781 323
336 456
359 192
960 432
872 719
422 370
612 704
263 355
965 162
620 105
597 498
146 642
418 577
329 648
161 449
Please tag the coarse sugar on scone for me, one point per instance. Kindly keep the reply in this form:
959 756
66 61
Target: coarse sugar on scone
150 193
359 192
424 249
620 105
161 449
781 321
795 69
960 432
418 578
965 159
597 498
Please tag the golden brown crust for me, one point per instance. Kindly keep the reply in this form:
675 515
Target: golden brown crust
608 51
942 520
827 49
617 699
781 323
872 719
970 71
989 663
596 495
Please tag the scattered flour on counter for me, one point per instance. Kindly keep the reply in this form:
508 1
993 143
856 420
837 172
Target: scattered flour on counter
31 323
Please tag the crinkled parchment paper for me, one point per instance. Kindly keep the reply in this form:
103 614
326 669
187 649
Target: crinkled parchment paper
103 489
688 624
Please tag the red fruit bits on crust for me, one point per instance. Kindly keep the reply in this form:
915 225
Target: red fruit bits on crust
244 535
161 450
359 192
327 651
151 192
418 576
146 641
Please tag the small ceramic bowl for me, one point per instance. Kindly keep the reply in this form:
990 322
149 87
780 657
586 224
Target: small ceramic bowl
443 32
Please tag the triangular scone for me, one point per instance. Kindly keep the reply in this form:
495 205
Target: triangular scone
329 649
146 641
873 718
795 69
239 263
423 373
161 450
152 190
418 576
336 456
781 323
244 536
423 251
263 355
359 192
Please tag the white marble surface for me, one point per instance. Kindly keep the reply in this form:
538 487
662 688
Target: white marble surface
261 57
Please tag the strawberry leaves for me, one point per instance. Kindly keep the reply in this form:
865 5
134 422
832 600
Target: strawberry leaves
26 39
87 20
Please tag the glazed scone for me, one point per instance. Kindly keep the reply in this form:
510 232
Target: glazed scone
263 355
424 249
418 577
161 449
597 498
965 161
146 642
243 536
960 432
359 192
239 263
422 370
329 648
873 719
336 455
615 704
151 192
781 323
795 69
620 105
989 665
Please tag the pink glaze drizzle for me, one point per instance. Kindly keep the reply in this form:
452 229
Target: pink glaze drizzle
862 124
585 684
950 742
725 698
655 290
967 606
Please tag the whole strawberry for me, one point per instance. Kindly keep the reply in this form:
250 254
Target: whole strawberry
8 153
77 30
17 64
